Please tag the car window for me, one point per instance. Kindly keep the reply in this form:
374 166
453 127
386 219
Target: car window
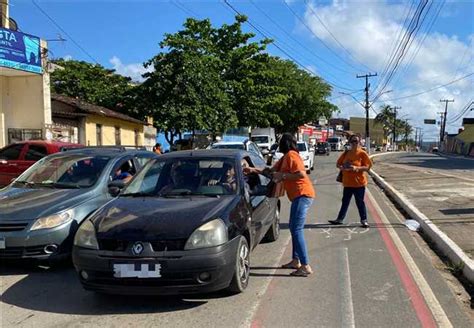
301 146
228 146
65 171
257 161
181 177
123 170
143 159
35 153
12 152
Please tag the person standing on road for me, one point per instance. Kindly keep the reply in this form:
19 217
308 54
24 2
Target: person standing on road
353 163
291 171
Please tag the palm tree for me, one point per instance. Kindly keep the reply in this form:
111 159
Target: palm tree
386 117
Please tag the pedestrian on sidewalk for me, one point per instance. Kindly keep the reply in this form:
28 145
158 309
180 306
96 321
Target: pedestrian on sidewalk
353 163
291 171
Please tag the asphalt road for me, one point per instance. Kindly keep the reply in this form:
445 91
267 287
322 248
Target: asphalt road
383 276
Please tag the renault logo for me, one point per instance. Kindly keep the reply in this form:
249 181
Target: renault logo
137 248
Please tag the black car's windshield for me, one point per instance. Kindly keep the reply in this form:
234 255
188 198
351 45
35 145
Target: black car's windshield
64 172
333 140
181 177
228 146
322 144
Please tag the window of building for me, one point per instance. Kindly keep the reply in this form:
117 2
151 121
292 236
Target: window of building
16 135
98 131
35 153
137 138
118 138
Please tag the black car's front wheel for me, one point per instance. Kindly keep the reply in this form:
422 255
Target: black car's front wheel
240 279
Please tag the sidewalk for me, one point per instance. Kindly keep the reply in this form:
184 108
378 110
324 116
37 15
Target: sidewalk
441 200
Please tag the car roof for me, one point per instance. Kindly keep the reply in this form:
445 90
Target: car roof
49 142
230 142
104 151
229 153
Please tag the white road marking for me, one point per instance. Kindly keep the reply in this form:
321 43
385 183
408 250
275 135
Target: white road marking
264 286
436 309
347 306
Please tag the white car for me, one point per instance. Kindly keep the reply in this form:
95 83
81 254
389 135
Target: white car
247 145
306 154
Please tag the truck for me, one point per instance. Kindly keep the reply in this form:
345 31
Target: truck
264 138
336 143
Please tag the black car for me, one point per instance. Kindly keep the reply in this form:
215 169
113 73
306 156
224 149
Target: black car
185 224
322 148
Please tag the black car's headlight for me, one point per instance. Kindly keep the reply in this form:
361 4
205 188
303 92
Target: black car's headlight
54 220
85 236
213 233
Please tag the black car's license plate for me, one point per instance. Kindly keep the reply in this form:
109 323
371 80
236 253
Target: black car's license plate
142 270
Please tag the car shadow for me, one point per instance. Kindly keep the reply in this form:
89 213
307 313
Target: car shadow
59 291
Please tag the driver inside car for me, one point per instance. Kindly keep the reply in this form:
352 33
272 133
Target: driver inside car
228 180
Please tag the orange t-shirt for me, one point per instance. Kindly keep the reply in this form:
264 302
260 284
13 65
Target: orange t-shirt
292 163
359 158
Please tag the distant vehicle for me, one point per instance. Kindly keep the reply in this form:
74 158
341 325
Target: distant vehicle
435 150
179 227
41 210
264 138
323 148
306 154
336 143
247 145
16 158
378 148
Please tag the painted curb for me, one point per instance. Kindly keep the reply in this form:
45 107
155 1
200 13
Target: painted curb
449 249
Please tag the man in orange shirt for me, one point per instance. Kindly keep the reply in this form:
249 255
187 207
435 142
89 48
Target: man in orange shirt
353 164
291 171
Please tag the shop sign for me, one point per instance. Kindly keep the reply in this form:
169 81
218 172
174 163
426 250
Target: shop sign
20 51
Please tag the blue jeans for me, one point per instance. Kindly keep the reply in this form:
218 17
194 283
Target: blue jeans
299 208
359 194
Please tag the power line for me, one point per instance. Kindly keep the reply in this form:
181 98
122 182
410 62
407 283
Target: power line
64 31
312 32
411 33
332 35
281 49
296 40
183 8
432 89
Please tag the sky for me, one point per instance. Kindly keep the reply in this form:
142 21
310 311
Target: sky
336 40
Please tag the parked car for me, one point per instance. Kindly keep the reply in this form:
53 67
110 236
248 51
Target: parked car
185 224
41 210
323 148
246 145
16 158
306 154
434 150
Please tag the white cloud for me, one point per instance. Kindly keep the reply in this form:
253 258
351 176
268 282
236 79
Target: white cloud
368 31
67 57
134 70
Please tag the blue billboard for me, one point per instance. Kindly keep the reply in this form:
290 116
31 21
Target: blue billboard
20 51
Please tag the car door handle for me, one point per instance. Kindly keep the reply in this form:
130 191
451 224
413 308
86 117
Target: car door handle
13 164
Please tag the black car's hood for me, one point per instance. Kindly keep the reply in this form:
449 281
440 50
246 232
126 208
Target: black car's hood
26 204
149 219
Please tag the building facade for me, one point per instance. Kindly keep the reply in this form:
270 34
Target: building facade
75 120
25 106
357 126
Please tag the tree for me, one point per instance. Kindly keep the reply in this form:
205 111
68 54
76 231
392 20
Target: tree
90 82
386 117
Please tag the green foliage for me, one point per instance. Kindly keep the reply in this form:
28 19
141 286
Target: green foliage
90 82
386 117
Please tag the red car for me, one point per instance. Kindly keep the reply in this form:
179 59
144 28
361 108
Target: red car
16 158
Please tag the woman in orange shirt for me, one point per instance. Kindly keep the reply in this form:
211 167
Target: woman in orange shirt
353 164
299 189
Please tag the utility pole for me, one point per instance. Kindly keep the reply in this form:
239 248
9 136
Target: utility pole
395 126
446 101
5 18
406 135
367 107
441 128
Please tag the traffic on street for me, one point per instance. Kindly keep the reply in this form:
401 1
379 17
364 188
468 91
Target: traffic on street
246 164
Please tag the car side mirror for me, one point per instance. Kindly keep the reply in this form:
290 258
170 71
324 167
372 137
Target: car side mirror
265 152
115 187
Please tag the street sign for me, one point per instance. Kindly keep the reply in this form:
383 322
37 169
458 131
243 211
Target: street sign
20 51
430 121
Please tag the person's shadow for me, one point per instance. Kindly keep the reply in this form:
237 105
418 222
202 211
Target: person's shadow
59 291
